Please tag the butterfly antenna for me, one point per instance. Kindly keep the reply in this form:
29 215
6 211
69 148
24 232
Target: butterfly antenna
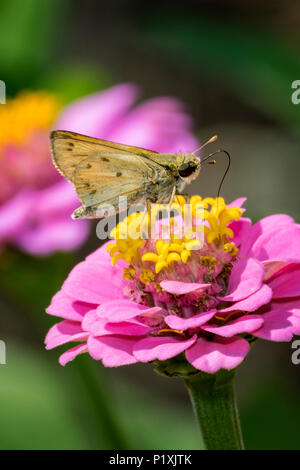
212 162
210 141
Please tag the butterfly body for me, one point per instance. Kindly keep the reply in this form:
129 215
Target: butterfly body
102 171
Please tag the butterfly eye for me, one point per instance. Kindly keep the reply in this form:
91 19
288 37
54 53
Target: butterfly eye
186 171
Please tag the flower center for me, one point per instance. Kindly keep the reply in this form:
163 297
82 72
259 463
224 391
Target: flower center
28 112
182 257
24 143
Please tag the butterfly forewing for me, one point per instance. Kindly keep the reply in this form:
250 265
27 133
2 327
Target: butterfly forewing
101 171
69 149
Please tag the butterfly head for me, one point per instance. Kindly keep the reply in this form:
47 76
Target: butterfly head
189 168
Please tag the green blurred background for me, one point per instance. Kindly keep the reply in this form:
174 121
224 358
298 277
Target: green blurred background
233 64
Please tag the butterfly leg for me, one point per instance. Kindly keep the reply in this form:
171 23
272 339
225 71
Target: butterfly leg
148 206
172 196
143 217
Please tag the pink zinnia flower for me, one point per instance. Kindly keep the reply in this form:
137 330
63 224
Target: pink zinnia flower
177 298
35 201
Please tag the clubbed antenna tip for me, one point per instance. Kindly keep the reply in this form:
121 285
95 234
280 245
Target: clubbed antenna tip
210 141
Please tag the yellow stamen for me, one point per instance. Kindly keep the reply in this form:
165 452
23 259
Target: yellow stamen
231 248
129 273
208 261
173 257
147 276
170 330
176 247
150 257
185 254
160 265
225 319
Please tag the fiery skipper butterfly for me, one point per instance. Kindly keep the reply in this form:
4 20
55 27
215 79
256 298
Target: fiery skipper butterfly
101 171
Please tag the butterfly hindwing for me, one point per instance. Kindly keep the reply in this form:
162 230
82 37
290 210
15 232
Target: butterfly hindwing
101 179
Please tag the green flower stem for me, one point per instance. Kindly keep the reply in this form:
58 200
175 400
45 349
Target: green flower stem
214 403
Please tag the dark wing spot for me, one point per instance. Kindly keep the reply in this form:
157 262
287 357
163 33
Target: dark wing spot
71 144
88 166
119 174
104 159
93 192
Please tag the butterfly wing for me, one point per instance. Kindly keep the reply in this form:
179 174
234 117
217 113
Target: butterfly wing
68 149
102 171
102 179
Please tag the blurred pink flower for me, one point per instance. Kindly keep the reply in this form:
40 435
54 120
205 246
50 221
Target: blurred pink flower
35 201
167 298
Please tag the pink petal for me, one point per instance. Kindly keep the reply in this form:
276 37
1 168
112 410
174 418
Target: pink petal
181 288
101 255
45 237
98 114
273 266
178 323
158 124
239 202
245 324
288 305
151 317
113 350
39 221
72 353
295 320
246 278
211 356
125 309
240 229
282 244
58 199
126 329
66 307
279 325
160 348
64 332
264 226
14 214
93 283
89 320
286 283
102 326
253 302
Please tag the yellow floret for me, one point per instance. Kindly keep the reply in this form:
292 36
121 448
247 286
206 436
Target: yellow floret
27 113
176 250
